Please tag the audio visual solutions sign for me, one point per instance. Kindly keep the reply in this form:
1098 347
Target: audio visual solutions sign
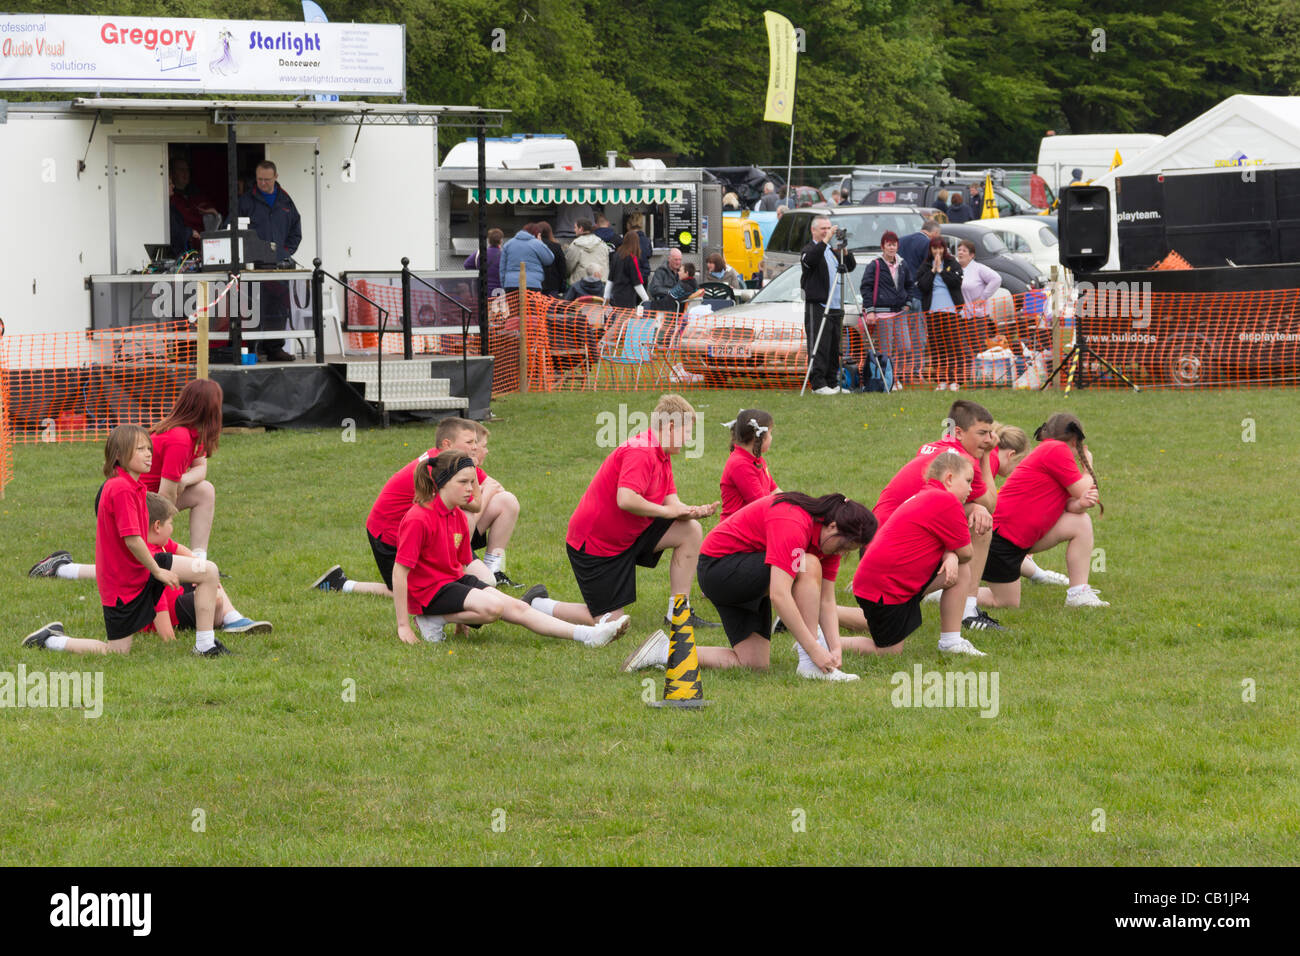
178 55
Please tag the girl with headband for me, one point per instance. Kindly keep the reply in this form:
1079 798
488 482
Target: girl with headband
745 477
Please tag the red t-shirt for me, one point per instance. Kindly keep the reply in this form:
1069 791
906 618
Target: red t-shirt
174 451
121 514
169 596
911 477
995 462
745 478
394 501
784 532
433 541
903 555
1034 497
598 524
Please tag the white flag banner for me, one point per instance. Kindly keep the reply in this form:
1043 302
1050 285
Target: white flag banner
180 55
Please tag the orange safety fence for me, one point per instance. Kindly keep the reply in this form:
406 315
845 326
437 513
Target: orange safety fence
1155 339
76 386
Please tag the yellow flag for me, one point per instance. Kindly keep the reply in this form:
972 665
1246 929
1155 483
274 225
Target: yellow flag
990 201
781 55
1116 161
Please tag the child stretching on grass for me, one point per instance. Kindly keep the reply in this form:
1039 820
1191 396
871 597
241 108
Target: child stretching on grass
394 501
176 606
1045 502
429 578
1011 448
130 578
925 546
781 552
182 444
495 523
745 477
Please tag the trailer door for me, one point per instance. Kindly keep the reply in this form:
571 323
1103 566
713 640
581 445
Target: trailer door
298 172
138 202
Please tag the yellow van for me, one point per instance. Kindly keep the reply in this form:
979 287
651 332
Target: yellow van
742 246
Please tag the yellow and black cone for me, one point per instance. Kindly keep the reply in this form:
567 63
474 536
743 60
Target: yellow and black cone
682 686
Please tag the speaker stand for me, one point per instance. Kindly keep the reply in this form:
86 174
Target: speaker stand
1081 352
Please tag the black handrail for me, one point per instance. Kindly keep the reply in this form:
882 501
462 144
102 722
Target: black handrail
318 326
407 276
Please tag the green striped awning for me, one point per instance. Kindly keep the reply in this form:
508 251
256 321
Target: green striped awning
639 194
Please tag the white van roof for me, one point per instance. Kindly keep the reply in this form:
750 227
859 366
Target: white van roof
519 151
1058 156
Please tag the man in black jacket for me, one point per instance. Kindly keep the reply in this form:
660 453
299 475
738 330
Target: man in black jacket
821 293
889 291
275 219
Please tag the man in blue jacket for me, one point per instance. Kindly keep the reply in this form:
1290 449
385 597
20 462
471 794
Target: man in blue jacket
528 249
275 219
892 301
915 247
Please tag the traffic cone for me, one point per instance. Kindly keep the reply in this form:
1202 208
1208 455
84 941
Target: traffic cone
682 687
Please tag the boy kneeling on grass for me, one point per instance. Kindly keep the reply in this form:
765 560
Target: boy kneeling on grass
433 547
130 578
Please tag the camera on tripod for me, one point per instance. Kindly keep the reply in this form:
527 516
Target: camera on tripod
841 236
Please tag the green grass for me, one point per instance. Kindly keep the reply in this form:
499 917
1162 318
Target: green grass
1136 709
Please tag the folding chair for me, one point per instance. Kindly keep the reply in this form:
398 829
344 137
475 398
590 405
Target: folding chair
629 343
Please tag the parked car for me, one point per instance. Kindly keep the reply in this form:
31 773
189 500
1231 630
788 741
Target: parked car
1031 237
808 196
926 193
1018 274
864 224
762 341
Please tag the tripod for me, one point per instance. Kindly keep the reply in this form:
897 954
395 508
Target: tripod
1079 353
843 280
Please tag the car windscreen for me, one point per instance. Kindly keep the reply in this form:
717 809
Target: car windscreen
992 244
785 287
864 230
1046 236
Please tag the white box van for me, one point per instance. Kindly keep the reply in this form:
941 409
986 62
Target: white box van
1059 156
520 151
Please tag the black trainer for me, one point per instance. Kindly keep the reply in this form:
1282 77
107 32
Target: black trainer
331 580
778 627
38 638
979 621
216 650
47 567
694 621
536 591
503 581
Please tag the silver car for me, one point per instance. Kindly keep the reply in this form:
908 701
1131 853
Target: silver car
863 225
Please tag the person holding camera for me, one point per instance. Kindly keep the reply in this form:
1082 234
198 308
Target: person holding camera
823 307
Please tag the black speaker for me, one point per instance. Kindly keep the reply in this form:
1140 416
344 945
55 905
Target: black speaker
1084 227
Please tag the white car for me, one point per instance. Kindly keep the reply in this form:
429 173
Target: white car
1029 236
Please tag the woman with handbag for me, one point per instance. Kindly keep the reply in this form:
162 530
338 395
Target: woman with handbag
942 300
626 286
893 294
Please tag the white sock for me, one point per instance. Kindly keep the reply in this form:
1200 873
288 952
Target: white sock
204 641
584 633
349 586
56 642
1079 589
804 657
231 617
494 562
971 608
200 554
545 605
948 638
1028 565
68 572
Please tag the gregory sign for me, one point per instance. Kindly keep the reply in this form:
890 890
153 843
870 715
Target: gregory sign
179 55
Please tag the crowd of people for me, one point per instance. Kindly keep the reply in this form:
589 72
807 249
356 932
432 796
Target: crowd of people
939 528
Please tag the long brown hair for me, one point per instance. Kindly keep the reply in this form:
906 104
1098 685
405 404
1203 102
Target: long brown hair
120 447
855 521
631 246
745 429
198 407
1061 427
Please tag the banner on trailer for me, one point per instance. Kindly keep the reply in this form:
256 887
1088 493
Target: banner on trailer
179 55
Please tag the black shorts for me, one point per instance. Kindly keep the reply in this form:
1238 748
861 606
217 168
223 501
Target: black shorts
1003 565
607 583
890 624
131 617
385 556
477 541
185 617
450 598
737 585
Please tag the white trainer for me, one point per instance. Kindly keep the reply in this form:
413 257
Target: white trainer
431 628
827 390
932 598
1045 576
813 672
608 631
653 652
1085 598
961 646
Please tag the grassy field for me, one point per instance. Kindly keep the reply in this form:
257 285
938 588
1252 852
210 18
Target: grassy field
1136 711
